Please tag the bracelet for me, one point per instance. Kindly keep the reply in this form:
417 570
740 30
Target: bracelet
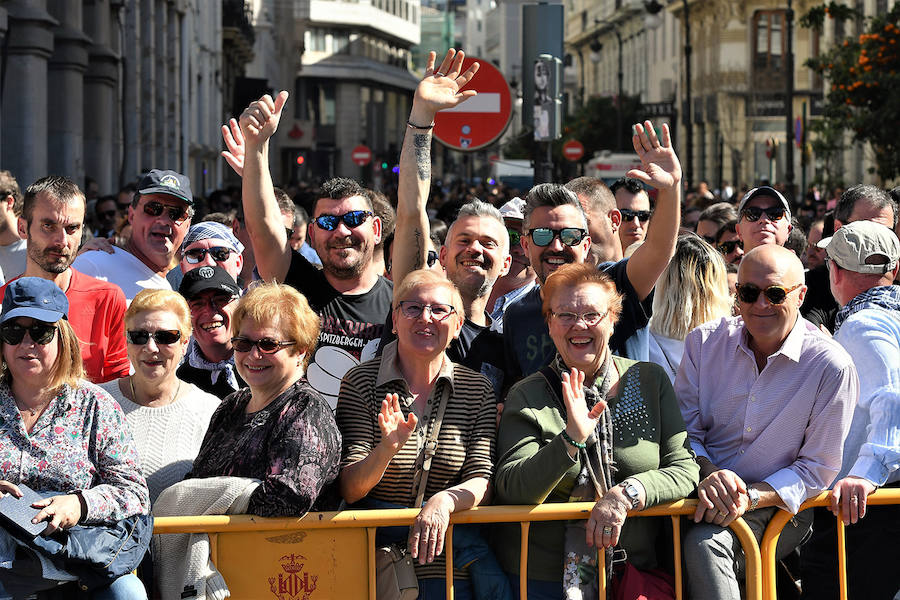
568 438
411 126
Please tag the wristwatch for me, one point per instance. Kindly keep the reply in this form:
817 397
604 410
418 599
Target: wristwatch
753 495
632 493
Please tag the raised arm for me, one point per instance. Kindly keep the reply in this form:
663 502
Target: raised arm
438 90
661 169
261 215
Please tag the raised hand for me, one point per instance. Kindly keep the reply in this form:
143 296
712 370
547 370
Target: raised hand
440 89
660 166
395 430
580 421
259 121
234 142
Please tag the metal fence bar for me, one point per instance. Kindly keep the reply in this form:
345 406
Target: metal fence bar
448 574
370 536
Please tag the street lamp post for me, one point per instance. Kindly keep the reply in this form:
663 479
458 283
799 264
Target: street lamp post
688 112
789 103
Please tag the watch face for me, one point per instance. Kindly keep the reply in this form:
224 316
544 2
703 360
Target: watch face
632 494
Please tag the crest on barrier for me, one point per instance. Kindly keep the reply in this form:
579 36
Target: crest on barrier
293 583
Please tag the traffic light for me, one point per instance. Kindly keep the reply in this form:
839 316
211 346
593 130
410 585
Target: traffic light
547 101
301 159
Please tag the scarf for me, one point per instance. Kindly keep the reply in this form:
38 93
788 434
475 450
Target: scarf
885 296
198 361
580 570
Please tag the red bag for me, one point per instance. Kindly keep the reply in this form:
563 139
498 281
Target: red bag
630 583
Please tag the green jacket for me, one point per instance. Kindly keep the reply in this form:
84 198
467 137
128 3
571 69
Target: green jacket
649 444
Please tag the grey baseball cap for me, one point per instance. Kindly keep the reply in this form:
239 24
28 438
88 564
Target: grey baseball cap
863 247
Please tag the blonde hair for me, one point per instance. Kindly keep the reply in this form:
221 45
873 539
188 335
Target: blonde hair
271 303
68 368
164 300
573 275
691 291
427 277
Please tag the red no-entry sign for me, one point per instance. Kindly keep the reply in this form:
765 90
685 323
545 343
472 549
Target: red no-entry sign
481 119
573 150
361 155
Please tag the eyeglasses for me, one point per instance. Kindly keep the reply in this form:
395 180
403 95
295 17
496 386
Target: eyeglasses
413 310
642 215
728 247
178 214
709 240
570 236
431 258
753 213
163 337
40 333
352 219
217 302
515 238
196 255
775 294
265 345
570 318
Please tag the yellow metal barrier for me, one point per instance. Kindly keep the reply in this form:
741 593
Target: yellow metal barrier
320 556
781 518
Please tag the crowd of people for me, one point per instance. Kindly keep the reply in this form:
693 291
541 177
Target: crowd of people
278 351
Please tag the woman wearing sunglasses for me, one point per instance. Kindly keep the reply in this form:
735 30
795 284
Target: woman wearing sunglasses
588 427
167 416
64 438
390 406
279 429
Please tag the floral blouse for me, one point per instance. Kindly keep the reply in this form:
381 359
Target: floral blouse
292 445
79 443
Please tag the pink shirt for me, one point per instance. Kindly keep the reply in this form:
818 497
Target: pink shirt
784 426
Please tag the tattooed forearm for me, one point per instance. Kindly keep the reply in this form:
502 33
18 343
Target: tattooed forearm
419 264
422 145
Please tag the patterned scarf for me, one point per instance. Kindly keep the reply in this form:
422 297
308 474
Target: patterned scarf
885 296
198 361
580 570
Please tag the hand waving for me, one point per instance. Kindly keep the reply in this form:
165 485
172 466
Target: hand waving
259 121
580 421
234 141
660 167
440 89
395 430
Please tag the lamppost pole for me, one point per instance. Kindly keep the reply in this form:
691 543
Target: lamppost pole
620 76
688 111
789 103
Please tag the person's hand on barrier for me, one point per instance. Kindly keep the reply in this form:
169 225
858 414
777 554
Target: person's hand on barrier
259 121
607 517
234 142
426 536
848 498
723 498
7 487
395 430
580 421
440 89
97 243
660 167
60 512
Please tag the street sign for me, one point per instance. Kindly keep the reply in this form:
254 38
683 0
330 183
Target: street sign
573 150
361 155
481 119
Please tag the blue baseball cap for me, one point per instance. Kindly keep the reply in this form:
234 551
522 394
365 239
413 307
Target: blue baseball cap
34 297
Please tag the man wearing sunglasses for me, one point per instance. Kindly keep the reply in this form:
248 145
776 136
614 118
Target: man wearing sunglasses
213 245
765 218
349 294
634 205
863 259
767 399
160 215
51 222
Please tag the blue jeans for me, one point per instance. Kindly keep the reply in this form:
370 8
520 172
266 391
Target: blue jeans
487 581
126 587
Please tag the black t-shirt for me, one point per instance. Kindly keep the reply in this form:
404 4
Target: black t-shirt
819 306
348 322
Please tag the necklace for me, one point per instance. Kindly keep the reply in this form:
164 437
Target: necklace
134 395
34 411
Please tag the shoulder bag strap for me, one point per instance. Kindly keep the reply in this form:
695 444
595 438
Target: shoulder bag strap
431 444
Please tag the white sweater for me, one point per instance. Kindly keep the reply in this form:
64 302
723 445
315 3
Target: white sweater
167 438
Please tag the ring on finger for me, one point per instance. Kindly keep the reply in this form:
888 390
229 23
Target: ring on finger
607 530
438 74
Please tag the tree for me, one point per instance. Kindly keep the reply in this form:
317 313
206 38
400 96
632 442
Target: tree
863 75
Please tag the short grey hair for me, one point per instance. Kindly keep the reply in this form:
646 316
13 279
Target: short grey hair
482 209
551 194
870 194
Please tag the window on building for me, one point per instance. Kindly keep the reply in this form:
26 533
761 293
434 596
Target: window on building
881 7
768 49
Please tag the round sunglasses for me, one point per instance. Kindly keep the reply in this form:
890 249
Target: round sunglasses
748 293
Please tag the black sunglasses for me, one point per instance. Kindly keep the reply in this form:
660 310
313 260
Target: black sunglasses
163 337
775 294
265 345
514 237
642 215
570 236
728 247
352 219
40 333
753 213
219 254
178 214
